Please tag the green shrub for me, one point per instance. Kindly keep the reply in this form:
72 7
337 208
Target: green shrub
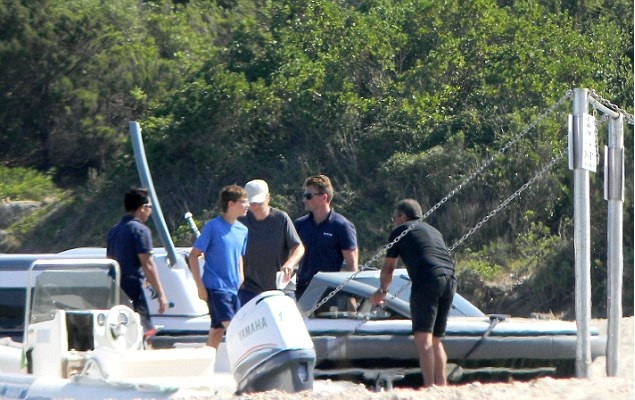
26 184
486 270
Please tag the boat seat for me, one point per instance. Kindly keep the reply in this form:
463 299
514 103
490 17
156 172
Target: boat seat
169 363
10 356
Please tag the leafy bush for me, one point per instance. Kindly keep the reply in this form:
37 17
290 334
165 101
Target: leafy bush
486 270
26 184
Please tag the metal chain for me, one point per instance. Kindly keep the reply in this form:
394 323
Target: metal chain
596 127
599 123
509 199
333 293
451 194
499 208
490 215
487 163
627 117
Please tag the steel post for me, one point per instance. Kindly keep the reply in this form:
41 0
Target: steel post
614 194
582 244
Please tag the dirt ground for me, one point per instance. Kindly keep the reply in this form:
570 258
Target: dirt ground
597 386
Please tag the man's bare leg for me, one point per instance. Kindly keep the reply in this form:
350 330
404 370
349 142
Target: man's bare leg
424 343
440 362
215 337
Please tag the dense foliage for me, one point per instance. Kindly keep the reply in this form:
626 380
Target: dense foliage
390 98
20 184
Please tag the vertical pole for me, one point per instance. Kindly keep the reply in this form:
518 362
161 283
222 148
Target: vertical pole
582 242
614 194
146 180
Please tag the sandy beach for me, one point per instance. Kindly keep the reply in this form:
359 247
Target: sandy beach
597 386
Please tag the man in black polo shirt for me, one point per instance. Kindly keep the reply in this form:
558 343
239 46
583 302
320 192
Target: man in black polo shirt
431 271
130 244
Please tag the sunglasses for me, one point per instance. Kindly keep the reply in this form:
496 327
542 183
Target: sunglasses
309 195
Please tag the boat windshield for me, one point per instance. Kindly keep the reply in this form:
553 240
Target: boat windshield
72 287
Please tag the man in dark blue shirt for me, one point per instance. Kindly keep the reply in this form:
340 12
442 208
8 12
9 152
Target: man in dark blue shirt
329 238
130 244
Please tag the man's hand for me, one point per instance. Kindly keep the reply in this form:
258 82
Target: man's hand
202 293
288 273
377 298
163 303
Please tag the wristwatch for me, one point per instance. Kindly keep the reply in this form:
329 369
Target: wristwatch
383 291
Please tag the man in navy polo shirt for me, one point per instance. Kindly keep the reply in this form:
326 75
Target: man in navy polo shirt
329 238
130 244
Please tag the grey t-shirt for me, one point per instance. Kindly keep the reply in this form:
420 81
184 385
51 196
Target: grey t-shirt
268 245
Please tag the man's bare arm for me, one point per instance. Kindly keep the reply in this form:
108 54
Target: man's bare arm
195 268
295 255
350 256
385 278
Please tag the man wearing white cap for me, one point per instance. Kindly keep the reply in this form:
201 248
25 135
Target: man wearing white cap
273 244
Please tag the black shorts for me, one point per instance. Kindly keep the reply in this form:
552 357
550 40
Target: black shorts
430 304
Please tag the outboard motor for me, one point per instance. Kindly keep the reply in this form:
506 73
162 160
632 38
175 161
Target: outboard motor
269 346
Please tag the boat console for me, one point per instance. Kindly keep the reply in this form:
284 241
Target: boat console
76 326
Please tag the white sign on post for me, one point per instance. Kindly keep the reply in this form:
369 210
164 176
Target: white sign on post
589 149
582 142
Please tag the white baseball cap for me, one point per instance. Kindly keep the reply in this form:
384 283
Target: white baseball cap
257 190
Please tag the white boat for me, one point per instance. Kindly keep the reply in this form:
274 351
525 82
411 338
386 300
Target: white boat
81 342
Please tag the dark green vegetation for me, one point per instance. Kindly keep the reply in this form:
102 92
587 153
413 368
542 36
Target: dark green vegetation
391 99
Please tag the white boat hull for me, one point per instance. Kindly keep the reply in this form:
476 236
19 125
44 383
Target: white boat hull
16 386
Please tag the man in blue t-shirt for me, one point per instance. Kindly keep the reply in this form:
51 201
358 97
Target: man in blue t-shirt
223 242
329 239
130 244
